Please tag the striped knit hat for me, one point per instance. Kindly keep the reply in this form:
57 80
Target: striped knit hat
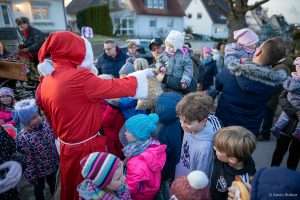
99 167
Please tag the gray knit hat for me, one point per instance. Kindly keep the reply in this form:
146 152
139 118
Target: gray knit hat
127 68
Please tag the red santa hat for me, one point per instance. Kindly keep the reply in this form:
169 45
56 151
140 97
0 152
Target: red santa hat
66 49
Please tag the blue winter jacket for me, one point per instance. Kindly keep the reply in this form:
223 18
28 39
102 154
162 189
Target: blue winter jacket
208 70
127 106
108 65
246 88
169 131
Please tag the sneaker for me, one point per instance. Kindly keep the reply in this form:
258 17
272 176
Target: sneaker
262 138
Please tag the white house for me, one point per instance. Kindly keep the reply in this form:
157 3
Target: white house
47 15
139 18
203 19
148 18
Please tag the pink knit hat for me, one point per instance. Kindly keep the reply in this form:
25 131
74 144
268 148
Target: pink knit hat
245 37
206 50
297 61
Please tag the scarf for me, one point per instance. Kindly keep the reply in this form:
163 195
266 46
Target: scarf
138 147
96 193
207 60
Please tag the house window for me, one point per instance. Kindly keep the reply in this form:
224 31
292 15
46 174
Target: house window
189 16
160 4
40 12
218 30
152 23
170 23
222 17
124 25
199 15
5 14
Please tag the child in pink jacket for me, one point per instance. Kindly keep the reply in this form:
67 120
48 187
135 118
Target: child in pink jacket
145 157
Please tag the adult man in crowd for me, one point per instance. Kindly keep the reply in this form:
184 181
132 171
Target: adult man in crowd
33 39
111 61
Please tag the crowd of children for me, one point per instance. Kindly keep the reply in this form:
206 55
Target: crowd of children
129 139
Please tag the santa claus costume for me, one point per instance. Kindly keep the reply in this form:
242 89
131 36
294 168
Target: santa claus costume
70 94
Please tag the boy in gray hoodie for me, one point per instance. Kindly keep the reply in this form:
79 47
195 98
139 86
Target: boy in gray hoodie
199 130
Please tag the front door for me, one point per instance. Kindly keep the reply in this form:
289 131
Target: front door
4 16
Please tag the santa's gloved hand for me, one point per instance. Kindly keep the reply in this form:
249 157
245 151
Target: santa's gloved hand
142 83
13 176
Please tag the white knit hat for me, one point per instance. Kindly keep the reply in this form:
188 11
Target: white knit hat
175 38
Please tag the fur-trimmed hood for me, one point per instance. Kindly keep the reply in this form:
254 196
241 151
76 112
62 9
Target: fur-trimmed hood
255 72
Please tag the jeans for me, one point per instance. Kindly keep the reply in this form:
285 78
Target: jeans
283 121
40 185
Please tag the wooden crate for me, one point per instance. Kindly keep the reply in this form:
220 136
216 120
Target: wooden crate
12 70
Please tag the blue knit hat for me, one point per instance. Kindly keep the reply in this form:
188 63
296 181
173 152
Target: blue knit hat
141 126
24 111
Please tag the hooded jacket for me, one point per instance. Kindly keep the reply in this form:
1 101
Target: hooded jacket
246 88
169 131
197 150
144 172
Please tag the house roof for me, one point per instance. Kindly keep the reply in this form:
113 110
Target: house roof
215 16
173 8
185 3
77 5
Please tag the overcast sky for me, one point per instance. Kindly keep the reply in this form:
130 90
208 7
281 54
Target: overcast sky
290 9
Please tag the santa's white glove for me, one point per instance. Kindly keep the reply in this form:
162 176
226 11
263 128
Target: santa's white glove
141 77
13 176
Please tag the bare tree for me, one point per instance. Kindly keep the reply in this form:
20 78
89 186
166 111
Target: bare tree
236 13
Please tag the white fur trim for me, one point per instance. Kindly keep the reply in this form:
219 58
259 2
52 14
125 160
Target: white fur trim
142 87
89 56
94 70
197 179
46 68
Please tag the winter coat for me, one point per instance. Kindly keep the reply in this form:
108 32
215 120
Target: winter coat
285 65
40 152
34 40
224 174
246 88
197 150
144 172
109 65
234 53
169 131
290 111
7 153
7 117
180 66
219 58
112 121
275 181
174 83
207 72
292 85
127 106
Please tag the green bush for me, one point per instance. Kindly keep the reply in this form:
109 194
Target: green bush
97 18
